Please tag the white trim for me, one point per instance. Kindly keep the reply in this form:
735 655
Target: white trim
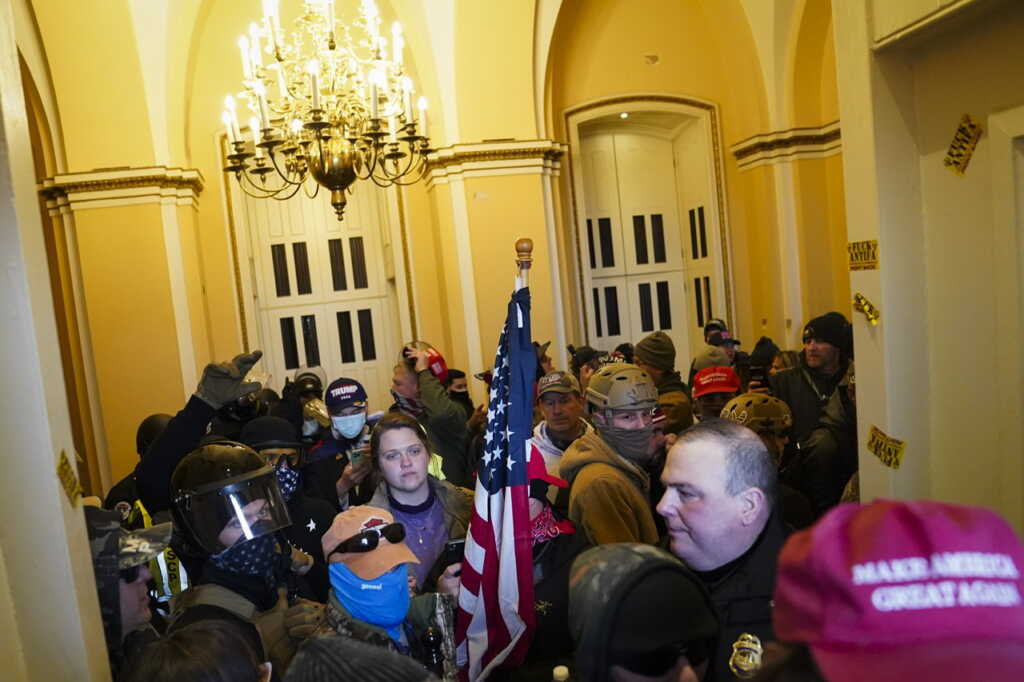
179 297
30 45
464 253
1005 139
594 109
545 19
561 354
789 255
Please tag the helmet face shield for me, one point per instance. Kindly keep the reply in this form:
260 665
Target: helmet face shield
237 511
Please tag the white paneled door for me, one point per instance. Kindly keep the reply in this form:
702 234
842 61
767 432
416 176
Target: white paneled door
321 297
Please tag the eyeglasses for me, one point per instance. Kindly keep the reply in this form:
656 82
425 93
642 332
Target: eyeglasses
368 540
273 457
661 660
131 574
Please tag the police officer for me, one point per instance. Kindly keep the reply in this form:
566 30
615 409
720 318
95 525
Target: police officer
719 507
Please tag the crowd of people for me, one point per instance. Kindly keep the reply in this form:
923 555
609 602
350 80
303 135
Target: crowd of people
682 529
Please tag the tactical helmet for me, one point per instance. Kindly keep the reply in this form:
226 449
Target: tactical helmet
149 430
226 483
759 412
621 386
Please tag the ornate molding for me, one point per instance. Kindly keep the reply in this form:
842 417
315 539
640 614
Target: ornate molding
499 157
788 145
123 186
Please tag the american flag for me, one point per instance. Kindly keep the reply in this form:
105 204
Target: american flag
496 610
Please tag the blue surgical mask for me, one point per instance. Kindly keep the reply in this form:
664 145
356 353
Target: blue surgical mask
349 426
383 601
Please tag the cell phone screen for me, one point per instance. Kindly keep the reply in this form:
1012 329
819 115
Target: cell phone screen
454 551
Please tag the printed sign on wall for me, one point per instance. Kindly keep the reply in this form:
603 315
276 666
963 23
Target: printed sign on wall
962 147
887 449
863 255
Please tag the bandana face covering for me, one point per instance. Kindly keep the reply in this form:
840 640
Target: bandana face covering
410 406
252 557
287 481
383 601
632 444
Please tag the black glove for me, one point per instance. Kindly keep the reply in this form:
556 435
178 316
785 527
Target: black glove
223 383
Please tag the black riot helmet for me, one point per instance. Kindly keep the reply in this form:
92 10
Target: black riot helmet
149 430
224 493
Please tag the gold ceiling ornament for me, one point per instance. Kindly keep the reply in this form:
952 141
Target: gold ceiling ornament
329 101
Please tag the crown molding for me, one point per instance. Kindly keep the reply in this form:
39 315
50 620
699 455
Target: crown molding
498 157
123 187
788 145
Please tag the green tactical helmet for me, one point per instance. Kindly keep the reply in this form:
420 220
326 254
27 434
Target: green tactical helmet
621 386
759 412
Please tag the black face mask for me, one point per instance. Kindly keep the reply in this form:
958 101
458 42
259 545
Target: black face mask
462 397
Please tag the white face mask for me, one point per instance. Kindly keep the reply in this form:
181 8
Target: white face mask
309 427
349 426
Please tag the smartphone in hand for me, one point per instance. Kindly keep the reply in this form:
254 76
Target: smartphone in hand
454 550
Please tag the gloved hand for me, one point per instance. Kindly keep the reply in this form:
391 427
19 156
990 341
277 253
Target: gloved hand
223 383
303 618
301 562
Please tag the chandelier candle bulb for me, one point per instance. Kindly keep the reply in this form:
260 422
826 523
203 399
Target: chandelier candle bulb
254 40
270 12
398 43
422 104
256 139
243 47
229 105
312 68
226 117
407 99
282 85
261 101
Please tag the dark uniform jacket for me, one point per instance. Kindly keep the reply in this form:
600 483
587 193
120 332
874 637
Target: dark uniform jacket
743 597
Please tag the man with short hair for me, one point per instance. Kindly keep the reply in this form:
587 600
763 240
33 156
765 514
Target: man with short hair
561 402
807 388
605 468
719 506
656 355
713 387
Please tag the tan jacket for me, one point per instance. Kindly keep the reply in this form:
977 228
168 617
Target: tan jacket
608 495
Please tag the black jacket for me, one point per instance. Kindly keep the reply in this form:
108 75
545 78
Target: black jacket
806 393
153 482
552 644
743 597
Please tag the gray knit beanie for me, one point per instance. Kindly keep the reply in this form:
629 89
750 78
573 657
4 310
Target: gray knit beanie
656 350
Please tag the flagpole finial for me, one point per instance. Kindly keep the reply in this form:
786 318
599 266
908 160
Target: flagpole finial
524 253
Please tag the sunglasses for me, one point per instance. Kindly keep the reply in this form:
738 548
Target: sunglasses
368 540
131 574
661 660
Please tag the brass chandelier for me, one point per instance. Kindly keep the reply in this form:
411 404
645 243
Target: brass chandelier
325 104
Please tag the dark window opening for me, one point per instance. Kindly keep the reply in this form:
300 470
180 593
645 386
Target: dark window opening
646 309
302 283
590 243
703 234
366 335
664 307
699 303
310 341
291 350
640 239
597 312
337 254
355 247
280 260
604 229
611 307
658 237
348 348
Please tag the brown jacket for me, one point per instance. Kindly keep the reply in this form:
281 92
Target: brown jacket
608 495
675 403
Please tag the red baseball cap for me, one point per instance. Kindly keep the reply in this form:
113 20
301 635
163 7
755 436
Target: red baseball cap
715 380
899 591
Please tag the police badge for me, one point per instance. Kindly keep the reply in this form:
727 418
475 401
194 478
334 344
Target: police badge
746 656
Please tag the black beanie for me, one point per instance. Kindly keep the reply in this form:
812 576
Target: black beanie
343 659
832 328
764 352
269 432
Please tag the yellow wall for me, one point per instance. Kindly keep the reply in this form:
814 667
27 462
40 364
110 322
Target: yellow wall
426 249
98 83
134 341
501 210
494 70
